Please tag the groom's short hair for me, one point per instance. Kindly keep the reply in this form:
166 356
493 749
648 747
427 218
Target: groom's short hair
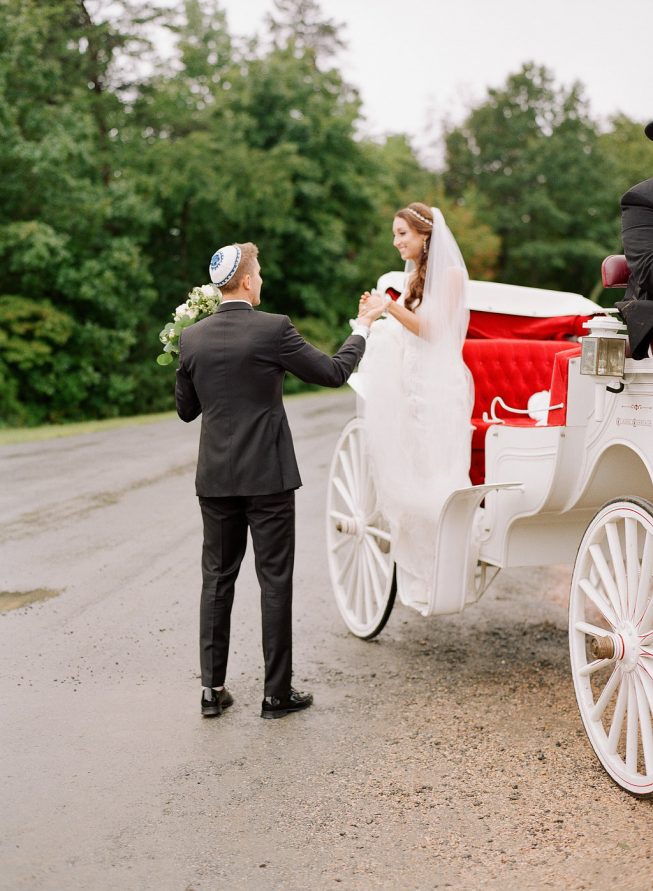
248 254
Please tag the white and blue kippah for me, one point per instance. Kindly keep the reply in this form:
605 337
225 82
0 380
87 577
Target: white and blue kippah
224 264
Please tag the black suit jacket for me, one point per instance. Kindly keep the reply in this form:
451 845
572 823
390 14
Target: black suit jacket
637 232
231 370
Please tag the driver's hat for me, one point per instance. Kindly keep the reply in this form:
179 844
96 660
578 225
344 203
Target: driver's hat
648 129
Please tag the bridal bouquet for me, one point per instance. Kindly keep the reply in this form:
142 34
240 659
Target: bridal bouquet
202 301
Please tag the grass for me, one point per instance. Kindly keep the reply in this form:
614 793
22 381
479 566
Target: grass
55 431
13 435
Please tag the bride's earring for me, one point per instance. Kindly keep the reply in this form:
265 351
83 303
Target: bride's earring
424 248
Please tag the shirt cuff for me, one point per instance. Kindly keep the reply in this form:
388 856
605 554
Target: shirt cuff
362 330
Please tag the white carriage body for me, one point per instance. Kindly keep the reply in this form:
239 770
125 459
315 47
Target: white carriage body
543 484
574 486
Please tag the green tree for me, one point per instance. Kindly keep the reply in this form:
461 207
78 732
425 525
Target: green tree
532 153
628 153
72 224
258 143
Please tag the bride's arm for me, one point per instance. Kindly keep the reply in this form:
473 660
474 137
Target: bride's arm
449 303
407 318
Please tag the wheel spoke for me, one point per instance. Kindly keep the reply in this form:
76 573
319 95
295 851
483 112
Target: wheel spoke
606 577
378 556
632 564
645 571
344 569
357 594
644 712
647 683
618 568
369 498
599 602
341 542
349 476
344 494
588 628
379 579
355 447
594 575
617 719
379 533
591 667
631 729
606 695
363 458
647 618
371 604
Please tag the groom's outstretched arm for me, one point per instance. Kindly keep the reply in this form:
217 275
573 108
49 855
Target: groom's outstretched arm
312 365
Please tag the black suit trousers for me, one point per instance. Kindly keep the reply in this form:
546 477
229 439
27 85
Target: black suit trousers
271 521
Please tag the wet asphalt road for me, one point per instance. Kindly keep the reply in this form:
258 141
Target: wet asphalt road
447 753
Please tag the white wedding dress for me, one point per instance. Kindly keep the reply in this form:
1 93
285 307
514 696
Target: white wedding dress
418 406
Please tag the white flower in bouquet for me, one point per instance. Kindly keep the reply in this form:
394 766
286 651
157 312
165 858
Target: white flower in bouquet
202 301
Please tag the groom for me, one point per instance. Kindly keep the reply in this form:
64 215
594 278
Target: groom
231 370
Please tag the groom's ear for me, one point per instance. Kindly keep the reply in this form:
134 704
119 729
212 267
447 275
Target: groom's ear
247 281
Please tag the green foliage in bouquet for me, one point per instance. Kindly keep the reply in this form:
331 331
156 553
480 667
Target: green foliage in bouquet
202 302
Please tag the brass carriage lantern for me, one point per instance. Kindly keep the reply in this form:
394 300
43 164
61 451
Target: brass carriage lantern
604 348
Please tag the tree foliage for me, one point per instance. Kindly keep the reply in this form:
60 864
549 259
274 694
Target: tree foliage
543 184
122 170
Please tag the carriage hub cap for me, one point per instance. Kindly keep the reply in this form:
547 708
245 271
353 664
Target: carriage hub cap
355 525
628 646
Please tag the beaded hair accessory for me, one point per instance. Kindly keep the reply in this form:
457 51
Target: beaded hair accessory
419 216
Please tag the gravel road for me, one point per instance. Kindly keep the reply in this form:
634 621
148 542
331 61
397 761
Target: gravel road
447 753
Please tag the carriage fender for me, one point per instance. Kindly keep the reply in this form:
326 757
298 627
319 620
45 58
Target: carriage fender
619 468
457 547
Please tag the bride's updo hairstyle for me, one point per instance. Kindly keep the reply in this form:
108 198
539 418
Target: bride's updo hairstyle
420 218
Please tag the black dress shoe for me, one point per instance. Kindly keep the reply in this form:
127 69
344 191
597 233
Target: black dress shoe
280 706
221 699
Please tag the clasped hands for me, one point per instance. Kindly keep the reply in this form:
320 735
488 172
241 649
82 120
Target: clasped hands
371 306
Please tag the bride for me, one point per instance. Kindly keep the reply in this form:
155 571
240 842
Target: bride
419 394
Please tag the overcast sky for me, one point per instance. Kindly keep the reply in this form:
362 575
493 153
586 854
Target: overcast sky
418 61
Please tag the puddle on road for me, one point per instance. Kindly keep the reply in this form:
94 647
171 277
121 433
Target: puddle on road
15 599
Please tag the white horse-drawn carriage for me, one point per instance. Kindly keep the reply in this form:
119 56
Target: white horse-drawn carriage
571 484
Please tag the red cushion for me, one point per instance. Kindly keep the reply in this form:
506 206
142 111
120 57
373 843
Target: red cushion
489 325
559 379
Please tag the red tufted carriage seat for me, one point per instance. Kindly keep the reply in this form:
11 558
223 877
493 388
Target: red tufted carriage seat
514 369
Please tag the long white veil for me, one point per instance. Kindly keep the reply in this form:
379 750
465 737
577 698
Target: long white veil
419 397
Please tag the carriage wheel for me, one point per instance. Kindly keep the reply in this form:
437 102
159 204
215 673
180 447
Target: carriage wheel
358 539
611 640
